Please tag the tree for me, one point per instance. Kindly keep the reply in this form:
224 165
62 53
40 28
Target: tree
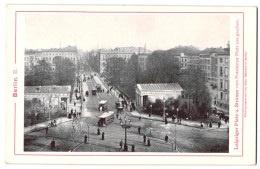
40 74
65 71
162 67
194 83
114 70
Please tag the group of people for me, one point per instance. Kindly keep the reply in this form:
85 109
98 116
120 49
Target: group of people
74 114
53 123
148 140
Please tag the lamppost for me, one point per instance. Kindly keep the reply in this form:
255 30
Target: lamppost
151 121
73 133
126 124
88 132
151 106
176 129
164 109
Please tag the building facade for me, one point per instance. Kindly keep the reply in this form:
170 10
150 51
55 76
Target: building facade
54 96
222 100
151 92
33 57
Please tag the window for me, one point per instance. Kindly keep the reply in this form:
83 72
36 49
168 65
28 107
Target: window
226 97
220 71
221 60
226 84
226 60
221 95
221 85
226 71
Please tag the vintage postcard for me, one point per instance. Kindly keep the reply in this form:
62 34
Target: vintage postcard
131 85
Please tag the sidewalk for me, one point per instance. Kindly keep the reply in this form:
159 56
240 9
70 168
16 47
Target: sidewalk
43 125
183 121
138 113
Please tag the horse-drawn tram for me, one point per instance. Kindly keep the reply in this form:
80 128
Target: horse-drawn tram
106 118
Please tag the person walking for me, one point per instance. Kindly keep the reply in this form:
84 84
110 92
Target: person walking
121 144
210 124
219 123
166 121
166 138
85 139
148 142
46 129
53 144
98 131
144 138
75 102
133 148
117 115
103 136
139 130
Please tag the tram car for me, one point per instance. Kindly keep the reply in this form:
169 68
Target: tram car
106 118
98 86
94 92
103 104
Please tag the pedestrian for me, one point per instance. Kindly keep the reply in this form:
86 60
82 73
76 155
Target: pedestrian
46 129
100 109
55 123
121 144
103 136
219 123
139 130
98 131
148 142
52 144
75 102
166 138
85 139
133 148
81 107
210 124
201 124
166 121
117 115
71 111
180 120
144 137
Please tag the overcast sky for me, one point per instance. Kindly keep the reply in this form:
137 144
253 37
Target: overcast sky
92 31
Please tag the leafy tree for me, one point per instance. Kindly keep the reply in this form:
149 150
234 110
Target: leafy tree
40 74
194 84
162 67
65 71
114 70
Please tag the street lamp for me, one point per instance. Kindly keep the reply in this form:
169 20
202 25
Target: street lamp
73 133
126 124
151 106
176 129
164 109
151 121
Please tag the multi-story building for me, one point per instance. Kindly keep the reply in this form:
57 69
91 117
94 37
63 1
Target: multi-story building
223 83
105 54
29 59
205 65
69 52
123 52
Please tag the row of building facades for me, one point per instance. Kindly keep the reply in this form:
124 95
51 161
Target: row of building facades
215 65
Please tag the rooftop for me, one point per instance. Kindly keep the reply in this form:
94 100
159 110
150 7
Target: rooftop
159 86
47 89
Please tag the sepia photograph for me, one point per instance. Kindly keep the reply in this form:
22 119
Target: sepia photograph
126 82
